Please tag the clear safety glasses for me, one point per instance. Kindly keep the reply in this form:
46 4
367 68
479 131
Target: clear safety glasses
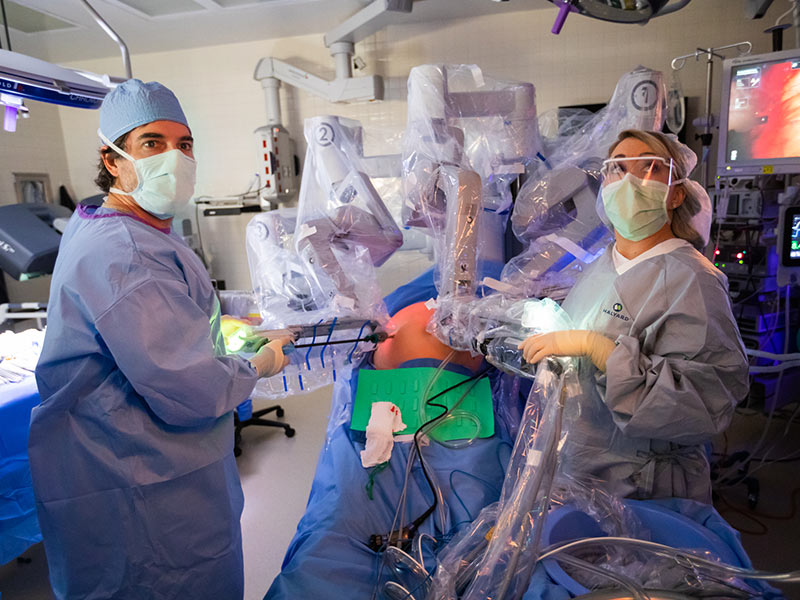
646 168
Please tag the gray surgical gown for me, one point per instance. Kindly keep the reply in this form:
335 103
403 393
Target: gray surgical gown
131 449
672 382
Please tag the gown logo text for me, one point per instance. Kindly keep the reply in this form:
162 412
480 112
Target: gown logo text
616 312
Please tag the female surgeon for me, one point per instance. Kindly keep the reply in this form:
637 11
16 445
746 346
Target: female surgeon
661 360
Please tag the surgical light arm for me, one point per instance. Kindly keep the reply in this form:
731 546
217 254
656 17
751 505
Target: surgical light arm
349 89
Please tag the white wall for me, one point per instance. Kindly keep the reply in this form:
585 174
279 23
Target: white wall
224 104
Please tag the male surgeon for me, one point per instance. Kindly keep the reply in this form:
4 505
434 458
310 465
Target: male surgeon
131 448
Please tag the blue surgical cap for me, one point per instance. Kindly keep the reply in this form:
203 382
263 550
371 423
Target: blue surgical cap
136 103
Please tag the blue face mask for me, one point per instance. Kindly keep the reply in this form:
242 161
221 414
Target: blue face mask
165 181
637 209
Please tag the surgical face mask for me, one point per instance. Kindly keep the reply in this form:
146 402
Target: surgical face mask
637 209
165 181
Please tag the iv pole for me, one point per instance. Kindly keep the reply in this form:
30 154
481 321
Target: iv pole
710 54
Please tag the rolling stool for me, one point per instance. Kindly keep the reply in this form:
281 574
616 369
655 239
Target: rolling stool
244 416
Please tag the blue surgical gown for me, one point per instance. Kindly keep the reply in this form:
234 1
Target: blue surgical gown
131 449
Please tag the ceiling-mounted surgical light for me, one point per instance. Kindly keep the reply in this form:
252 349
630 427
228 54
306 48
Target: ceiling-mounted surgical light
615 11
26 78
12 108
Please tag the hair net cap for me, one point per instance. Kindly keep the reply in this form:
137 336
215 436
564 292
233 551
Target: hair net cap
700 221
135 103
686 157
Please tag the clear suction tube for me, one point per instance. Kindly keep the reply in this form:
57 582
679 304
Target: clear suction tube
426 430
513 548
450 414
627 583
494 558
682 557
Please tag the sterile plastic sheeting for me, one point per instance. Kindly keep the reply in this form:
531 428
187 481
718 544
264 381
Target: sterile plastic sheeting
339 207
611 517
238 303
458 561
320 263
456 268
512 550
499 326
332 536
316 366
315 266
555 211
19 353
607 510
561 201
550 265
558 123
638 102
468 137
379 147
587 514
459 116
286 291
317 262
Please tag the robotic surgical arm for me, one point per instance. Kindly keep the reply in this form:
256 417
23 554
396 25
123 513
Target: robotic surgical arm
317 262
341 214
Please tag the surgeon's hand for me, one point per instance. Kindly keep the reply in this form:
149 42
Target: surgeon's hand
573 342
270 360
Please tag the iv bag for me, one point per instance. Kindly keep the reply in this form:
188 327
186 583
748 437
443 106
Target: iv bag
676 107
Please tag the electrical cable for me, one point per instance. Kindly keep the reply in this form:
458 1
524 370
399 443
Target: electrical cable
415 524
788 12
400 509
775 368
793 508
427 426
780 375
771 356
416 449
728 507
431 382
760 443
791 457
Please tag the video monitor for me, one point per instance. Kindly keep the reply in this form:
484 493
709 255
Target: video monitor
760 115
790 251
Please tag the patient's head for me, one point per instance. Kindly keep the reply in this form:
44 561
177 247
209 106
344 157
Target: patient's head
411 341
